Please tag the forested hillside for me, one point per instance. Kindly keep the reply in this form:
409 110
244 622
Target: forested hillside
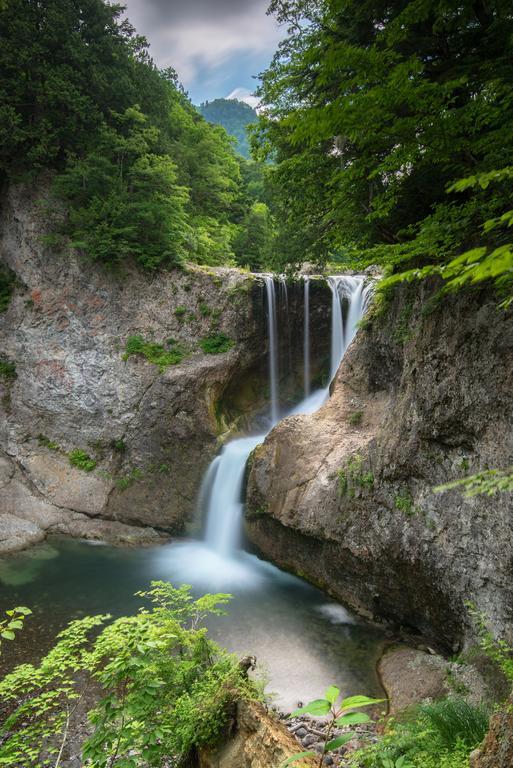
234 116
390 127
142 174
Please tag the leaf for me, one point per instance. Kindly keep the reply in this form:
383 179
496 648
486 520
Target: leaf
8 635
296 757
318 707
332 694
359 701
25 611
353 718
339 741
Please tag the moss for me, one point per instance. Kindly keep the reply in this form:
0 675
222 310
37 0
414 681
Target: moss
81 460
353 475
216 344
356 418
7 370
403 331
7 283
154 353
45 442
404 503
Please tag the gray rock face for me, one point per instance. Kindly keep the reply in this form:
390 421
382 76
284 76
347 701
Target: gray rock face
345 497
151 433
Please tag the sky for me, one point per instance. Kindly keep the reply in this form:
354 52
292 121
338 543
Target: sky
216 46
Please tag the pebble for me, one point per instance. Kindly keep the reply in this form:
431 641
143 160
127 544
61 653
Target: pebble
308 740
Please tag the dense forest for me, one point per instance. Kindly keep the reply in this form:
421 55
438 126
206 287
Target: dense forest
234 116
389 126
142 174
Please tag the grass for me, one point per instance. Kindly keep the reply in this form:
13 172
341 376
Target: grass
455 721
154 353
204 309
216 344
81 460
404 503
180 312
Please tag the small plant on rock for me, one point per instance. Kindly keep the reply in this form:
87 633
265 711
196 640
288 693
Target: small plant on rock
154 353
81 460
340 715
216 343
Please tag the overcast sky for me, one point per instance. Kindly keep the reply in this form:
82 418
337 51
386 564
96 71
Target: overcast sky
216 46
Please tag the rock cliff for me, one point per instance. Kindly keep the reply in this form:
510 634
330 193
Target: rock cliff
345 497
66 385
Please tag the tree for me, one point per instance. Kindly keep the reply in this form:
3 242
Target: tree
372 110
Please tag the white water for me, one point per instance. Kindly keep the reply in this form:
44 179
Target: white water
306 338
272 332
218 561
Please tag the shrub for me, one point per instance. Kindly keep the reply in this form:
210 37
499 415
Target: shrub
154 353
216 343
166 688
455 721
81 460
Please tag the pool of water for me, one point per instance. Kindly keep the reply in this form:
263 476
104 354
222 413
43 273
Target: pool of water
303 641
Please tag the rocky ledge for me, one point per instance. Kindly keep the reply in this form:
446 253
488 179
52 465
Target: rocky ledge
345 497
89 432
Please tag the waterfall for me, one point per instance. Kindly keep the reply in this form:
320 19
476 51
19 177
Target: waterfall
306 337
272 333
219 559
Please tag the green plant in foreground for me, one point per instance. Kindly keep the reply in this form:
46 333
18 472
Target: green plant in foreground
341 715
81 460
499 651
166 688
13 622
154 353
216 344
489 482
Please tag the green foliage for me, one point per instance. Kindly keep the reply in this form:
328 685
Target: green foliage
144 177
166 688
371 111
234 116
154 353
341 715
355 419
216 343
499 651
124 482
254 242
180 312
45 442
12 623
488 482
81 460
7 283
118 445
7 370
204 309
404 503
353 475
455 721
420 740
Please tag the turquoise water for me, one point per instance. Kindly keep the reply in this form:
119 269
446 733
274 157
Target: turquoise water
303 641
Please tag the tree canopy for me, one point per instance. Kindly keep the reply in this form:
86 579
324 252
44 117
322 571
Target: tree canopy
373 110
234 116
143 175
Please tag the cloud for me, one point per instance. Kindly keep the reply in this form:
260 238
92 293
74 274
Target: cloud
244 94
202 38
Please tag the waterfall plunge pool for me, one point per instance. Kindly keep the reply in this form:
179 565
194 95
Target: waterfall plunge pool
303 641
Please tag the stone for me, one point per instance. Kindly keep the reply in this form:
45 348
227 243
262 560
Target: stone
437 404
257 741
496 751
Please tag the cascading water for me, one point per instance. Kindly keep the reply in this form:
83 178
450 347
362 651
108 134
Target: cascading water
219 559
306 338
272 332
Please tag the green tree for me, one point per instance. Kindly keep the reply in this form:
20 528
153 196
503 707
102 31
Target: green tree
253 244
372 110
234 116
